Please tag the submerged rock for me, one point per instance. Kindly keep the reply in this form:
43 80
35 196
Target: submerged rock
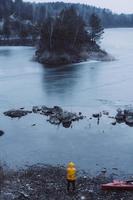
105 112
1 132
16 113
97 115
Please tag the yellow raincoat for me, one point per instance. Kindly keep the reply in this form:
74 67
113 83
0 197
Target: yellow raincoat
71 172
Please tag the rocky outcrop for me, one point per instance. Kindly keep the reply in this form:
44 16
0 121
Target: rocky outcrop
16 113
57 115
125 116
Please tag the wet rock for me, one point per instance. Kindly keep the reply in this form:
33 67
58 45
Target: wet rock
129 120
66 124
1 132
16 113
105 112
97 115
125 116
115 168
111 117
33 124
128 112
54 120
120 117
49 111
58 116
104 170
113 123
36 109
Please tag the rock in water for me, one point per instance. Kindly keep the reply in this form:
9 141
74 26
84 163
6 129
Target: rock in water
56 115
36 109
125 116
16 113
120 117
67 124
129 120
1 132
97 115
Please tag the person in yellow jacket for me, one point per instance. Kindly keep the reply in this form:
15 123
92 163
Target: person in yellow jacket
71 176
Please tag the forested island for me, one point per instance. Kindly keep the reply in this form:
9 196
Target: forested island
67 39
63 32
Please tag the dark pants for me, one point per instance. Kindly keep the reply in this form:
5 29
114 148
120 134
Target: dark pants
70 184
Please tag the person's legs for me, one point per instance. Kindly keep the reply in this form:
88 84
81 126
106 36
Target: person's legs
68 185
73 185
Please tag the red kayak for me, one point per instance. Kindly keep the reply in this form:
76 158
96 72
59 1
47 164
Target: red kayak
118 185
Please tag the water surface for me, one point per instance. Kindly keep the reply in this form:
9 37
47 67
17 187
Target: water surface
88 87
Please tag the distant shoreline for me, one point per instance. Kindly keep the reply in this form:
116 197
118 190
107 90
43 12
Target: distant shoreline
17 42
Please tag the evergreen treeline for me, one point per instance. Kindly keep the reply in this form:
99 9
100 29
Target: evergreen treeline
66 38
24 19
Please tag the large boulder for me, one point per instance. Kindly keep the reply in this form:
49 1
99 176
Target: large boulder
129 120
128 112
58 116
120 116
125 116
16 113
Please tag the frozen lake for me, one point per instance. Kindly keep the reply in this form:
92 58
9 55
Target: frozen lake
87 87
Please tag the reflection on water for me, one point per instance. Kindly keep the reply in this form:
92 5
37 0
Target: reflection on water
5 52
60 80
87 87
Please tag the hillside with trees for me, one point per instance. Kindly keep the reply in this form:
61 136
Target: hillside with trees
23 20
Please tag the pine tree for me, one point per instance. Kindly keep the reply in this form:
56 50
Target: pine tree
67 32
6 28
96 28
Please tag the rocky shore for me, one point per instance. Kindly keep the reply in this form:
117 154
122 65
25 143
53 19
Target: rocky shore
54 58
41 182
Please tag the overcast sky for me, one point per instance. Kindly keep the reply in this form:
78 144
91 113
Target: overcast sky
119 6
